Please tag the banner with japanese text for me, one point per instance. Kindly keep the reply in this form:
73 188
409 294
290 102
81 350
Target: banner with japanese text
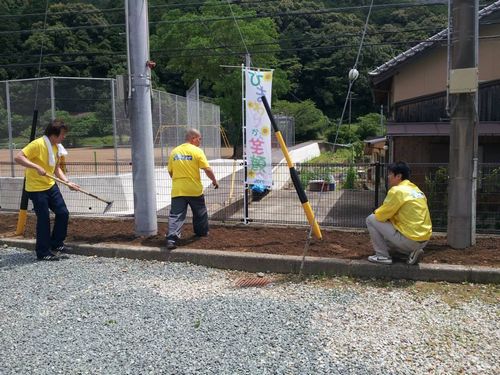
258 127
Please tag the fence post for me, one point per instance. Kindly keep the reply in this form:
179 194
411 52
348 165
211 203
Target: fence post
115 133
176 125
377 183
9 128
160 128
52 100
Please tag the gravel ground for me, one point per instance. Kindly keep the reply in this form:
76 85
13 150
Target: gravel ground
118 316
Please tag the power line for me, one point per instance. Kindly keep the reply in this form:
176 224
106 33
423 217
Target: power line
82 11
296 13
330 47
249 16
351 80
235 2
151 7
59 29
314 38
307 38
325 48
237 26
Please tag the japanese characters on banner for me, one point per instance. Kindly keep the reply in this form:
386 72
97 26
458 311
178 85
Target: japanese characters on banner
258 127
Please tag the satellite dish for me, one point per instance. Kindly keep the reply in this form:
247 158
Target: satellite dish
353 74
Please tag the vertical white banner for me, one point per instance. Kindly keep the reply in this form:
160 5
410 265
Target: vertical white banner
258 127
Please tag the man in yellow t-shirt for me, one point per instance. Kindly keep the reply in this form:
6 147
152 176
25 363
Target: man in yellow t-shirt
41 157
184 166
403 223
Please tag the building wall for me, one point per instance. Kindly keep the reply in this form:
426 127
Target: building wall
435 149
426 74
420 149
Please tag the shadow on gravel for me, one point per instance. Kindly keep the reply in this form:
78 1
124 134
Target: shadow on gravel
8 261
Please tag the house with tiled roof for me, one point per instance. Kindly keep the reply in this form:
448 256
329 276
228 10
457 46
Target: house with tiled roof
412 87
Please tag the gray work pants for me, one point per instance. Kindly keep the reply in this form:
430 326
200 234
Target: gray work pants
177 216
386 239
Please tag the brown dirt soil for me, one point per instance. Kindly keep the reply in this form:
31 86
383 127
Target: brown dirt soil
260 239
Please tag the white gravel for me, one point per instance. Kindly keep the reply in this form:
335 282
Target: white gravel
117 316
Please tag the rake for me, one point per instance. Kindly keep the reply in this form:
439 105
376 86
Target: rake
108 203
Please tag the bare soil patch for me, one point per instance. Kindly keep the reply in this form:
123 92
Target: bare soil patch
259 239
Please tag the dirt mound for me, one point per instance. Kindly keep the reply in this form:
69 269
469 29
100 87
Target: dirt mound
260 239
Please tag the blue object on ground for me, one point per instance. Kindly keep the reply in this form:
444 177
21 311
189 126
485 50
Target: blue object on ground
259 188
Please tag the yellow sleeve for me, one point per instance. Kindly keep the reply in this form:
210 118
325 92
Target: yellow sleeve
202 160
169 165
390 207
32 150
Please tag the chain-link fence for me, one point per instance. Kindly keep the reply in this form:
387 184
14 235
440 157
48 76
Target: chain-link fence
341 195
98 120
286 125
170 122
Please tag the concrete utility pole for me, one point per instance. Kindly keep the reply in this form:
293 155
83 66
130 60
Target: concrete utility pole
141 120
463 86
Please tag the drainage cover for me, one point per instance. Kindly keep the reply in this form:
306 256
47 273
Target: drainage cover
247 282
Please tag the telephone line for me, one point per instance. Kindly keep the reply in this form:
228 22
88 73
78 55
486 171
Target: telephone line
313 38
331 47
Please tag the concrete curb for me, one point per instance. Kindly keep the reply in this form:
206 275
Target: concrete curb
257 262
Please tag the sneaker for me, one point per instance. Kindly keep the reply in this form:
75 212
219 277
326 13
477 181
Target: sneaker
380 259
415 256
49 258
171 245
63 249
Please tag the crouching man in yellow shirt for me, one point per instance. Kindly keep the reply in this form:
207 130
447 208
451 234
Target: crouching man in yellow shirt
403 223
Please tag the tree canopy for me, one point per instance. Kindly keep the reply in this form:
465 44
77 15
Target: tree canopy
310 44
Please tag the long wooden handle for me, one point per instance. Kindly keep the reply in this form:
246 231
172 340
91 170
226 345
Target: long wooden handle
80 189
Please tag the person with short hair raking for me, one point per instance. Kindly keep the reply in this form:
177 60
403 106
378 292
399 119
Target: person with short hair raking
184 166
403 223
42 158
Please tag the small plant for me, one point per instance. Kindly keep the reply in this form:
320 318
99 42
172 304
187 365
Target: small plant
350 179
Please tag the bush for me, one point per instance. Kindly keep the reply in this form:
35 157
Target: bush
350 180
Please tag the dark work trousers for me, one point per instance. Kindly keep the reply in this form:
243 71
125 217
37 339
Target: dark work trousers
178 210
42 202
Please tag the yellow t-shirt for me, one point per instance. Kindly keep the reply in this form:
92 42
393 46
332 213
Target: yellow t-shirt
406 208
184 165
38 153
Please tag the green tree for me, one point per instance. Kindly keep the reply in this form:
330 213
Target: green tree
368 126
310 122
74 41
346 134
195 46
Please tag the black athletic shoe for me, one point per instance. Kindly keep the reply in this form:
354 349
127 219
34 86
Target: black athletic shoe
171 245
50 258
63 249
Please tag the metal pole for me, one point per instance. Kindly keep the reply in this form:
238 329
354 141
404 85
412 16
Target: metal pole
160 128
52 99
244 147
115 133
141 122
198 124
9 128
463 128
377 183
177 140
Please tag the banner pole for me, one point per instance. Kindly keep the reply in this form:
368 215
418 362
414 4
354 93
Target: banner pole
244 146
294 175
